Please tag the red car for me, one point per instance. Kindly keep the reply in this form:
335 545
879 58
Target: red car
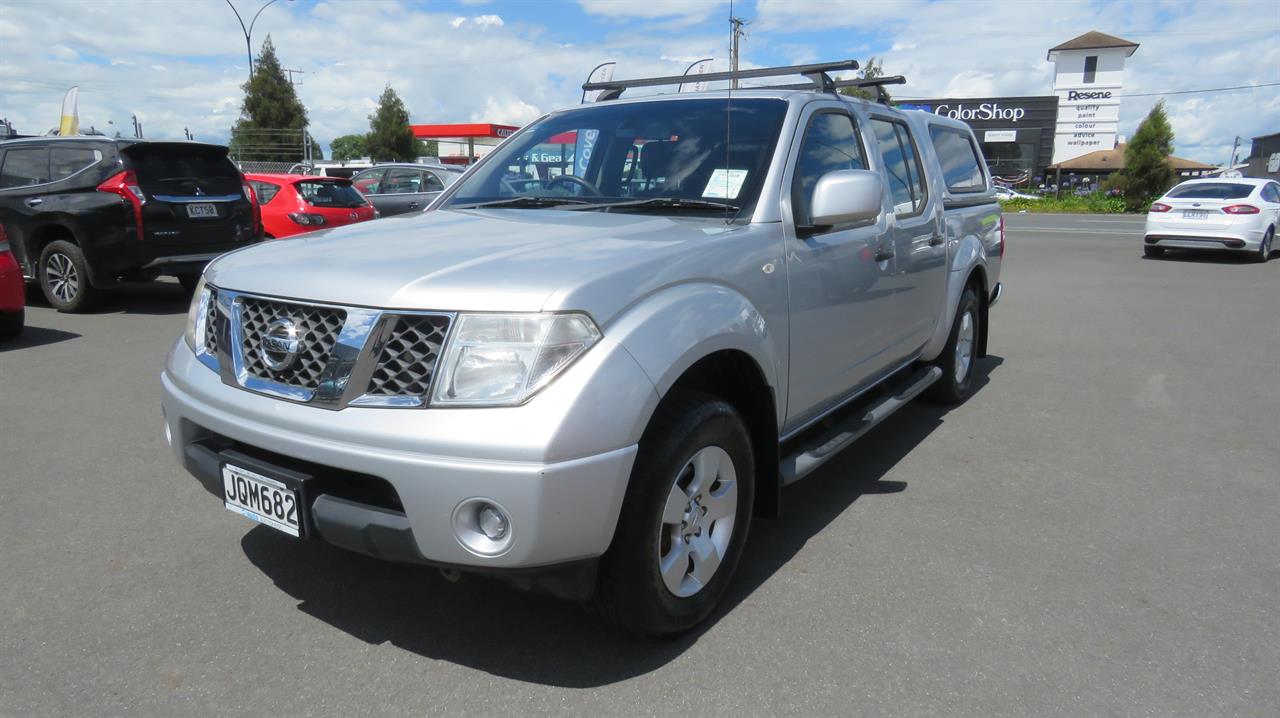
13 291
293 204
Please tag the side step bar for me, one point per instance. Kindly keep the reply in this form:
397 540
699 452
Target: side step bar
804 461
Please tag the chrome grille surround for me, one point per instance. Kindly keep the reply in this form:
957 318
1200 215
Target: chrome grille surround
347 353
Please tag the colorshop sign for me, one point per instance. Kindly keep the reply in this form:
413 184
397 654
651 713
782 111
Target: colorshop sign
985 111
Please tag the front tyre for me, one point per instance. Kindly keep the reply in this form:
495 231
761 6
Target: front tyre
684 520
1153 252
960 355
64 278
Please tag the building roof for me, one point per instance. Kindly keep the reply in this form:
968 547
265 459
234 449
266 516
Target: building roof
1094 40
1112 160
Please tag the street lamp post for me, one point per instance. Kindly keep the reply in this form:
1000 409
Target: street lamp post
248 31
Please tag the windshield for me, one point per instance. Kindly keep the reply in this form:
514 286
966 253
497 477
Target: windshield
707 155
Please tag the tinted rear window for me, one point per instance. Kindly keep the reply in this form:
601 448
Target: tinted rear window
66 161
1212 190
169 169
24 166
330 194
961 167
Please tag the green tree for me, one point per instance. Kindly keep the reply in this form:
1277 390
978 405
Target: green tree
348 147
389 138
272 118
429 148
1147 173
870 70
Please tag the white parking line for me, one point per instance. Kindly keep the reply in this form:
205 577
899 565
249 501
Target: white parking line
1064 230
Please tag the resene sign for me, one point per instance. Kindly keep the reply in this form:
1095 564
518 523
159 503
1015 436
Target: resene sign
1074 95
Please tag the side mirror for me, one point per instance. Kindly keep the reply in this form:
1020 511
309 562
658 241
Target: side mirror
846 197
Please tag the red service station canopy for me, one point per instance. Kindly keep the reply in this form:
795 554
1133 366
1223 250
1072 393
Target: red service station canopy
472 134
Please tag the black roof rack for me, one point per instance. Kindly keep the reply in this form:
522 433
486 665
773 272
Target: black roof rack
876 82
816 72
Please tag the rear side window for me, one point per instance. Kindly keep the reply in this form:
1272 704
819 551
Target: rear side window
24 166
369 181
167 169
961 167
329 194
264 190
66 161
1271 193
902 166
433 183
1211 190
402 181
830 144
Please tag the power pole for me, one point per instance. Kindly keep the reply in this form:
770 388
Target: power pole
1235 146
137 127
735 27
291 82
187 132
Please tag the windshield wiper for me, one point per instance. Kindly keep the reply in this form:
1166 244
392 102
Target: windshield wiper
526 201
666 203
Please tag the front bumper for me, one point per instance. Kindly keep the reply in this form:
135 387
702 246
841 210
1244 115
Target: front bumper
563 501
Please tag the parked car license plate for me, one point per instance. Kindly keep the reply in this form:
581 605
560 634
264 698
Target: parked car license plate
1195 214
260 498
202 210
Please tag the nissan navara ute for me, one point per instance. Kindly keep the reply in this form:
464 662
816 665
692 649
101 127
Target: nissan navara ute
606 348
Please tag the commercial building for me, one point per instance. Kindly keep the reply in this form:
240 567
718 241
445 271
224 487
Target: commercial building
1091 169
1016 133
1264 157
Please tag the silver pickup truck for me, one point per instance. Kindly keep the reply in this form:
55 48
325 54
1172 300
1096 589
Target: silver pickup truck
606 348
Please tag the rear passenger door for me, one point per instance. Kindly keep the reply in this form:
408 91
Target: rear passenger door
917 232
405 189
24 180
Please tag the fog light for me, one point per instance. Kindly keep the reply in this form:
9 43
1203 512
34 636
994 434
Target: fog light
493 523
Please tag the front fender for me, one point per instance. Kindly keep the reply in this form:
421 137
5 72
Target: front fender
669 331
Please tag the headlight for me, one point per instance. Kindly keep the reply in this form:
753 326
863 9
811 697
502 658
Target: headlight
196 314
503 359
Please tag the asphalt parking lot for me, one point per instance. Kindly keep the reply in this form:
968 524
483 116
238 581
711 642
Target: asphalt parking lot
1094 533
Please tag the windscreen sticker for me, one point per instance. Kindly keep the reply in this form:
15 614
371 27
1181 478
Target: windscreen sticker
725 184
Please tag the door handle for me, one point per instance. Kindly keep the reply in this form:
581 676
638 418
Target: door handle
34 201
935 240
884 254
413 205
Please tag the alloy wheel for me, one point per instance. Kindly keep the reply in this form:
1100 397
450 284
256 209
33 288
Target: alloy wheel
697 521
964 346
63 279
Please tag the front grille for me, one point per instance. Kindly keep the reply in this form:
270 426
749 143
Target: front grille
318 329
408 359
212 324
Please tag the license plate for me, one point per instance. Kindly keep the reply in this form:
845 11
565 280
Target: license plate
260 498
202 210
1195 214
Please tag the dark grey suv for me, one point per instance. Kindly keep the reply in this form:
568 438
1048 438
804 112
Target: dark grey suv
85 213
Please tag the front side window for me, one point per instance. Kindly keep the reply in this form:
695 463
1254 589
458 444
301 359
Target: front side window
66 161
24 166
689 156
830 144
902 166
961 167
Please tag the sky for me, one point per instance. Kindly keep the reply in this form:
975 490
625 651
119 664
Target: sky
178 64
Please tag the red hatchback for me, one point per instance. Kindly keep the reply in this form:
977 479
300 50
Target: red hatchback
13 291
293 204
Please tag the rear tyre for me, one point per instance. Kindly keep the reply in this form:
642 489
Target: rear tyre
11 324
684 520
1153 252
189 281
1264 250
64 278
960 355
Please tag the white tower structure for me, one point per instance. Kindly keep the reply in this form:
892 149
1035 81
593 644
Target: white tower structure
1088 76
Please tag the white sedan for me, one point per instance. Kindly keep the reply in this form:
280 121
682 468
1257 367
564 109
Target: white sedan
1236 214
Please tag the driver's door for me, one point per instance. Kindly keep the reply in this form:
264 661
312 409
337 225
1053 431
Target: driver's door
840 278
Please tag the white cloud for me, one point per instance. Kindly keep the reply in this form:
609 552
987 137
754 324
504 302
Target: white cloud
488 20
651 9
